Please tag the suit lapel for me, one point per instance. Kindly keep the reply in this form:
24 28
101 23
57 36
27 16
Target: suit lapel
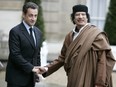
37 37
26 34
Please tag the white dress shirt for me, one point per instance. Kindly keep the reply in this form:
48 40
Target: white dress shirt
27 28
77 33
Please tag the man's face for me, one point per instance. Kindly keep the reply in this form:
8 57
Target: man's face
31 16
80 18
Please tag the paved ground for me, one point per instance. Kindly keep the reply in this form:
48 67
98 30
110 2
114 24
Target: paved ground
57 79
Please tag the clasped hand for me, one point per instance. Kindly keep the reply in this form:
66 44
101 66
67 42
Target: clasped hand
98 86
39 70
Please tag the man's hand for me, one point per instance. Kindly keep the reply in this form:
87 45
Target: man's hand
36 69
39 70
98 86
43 70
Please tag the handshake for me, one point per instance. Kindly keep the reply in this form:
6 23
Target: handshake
39 70
38 73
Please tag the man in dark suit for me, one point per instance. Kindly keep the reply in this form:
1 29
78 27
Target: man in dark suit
24 47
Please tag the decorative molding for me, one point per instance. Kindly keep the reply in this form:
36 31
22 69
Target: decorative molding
50 0
11 4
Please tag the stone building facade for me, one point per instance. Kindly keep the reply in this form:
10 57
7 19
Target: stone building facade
10 15
56 15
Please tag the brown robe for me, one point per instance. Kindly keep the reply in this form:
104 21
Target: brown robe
88 60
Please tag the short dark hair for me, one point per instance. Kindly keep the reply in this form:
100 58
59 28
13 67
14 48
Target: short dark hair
29 5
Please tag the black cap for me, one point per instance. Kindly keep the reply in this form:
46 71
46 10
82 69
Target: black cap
80 8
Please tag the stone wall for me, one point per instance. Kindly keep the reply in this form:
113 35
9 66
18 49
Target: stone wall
3 47
56 16
10 15
11 4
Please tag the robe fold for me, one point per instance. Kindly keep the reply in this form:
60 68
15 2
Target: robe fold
88 60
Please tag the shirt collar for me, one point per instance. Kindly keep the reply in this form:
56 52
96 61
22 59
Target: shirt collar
74 31
26 25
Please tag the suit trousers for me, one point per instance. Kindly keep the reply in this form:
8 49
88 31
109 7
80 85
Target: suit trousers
12 85
30 84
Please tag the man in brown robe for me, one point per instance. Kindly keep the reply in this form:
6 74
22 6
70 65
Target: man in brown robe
86 54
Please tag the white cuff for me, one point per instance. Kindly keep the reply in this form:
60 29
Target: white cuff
46 68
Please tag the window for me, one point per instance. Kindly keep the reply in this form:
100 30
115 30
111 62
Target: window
98 10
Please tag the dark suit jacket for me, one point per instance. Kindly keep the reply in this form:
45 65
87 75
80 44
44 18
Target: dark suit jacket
23 56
